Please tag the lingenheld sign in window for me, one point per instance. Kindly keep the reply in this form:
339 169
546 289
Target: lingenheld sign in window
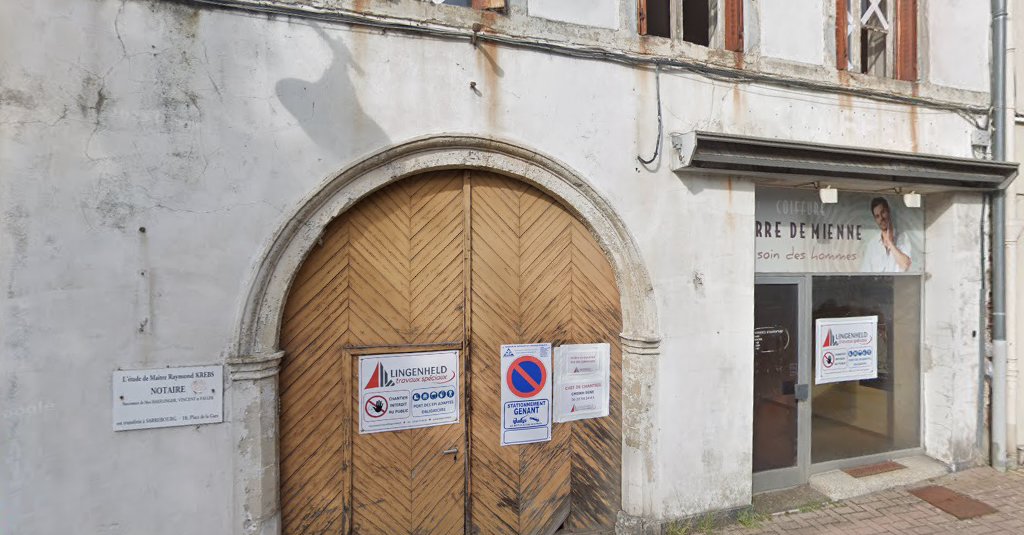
845 349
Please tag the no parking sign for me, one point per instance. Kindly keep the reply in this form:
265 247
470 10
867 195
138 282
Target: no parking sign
525 393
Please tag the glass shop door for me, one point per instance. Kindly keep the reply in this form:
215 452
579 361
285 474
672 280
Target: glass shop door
781 445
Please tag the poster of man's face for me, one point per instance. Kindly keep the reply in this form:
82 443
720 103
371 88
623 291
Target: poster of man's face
883 217
892 251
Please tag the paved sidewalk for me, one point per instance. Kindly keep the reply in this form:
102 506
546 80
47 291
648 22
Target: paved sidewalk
896 511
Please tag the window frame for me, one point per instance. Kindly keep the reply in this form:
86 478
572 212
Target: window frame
901 42
725 23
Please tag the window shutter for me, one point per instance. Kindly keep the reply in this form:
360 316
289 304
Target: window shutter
641 17
906 40
842 41
734 25
495 5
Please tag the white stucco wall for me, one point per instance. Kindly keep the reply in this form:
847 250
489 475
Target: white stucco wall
963 61
950 353
209 127
706 295
792 29
600 13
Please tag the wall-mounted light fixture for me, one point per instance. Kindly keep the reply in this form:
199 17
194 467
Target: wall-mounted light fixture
912 199
828 195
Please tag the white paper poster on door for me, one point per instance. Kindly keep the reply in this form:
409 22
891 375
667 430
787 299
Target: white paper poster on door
846 349
582 376
408 391
525 393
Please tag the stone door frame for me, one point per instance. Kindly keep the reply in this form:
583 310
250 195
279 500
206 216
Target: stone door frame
256 356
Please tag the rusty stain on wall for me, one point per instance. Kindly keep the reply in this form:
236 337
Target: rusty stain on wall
487 60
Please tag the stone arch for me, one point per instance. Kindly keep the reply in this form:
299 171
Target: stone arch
255 355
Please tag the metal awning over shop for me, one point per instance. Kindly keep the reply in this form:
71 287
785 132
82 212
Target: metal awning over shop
788 163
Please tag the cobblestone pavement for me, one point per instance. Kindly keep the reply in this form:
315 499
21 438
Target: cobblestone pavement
897 511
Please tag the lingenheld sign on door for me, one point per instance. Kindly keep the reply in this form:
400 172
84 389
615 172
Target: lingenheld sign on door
408 390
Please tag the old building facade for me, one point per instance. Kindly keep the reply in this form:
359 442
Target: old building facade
283 187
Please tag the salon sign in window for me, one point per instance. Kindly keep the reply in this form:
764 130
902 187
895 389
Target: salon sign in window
862 233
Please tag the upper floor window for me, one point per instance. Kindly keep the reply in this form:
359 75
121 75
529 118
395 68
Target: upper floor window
877 37
697 22
693 21
655 17
476 4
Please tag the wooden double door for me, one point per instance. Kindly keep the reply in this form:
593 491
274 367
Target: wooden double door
462 259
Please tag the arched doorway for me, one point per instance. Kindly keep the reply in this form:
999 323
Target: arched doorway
454 258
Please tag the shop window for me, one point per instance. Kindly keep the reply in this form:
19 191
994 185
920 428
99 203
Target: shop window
869 416
862 261
696 20
877 37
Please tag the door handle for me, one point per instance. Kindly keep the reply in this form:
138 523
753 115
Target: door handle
803 391
454 452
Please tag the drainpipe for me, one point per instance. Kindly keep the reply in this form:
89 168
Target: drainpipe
999 434
1012 233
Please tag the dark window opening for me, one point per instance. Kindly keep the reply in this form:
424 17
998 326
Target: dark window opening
657 18
872 52
697 22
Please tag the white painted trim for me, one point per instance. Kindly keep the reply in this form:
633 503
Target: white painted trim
256 355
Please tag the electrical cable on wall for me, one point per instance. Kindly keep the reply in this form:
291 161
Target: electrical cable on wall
711 71
657 90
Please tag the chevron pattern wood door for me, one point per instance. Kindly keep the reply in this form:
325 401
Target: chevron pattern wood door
538 276
389 272
445 257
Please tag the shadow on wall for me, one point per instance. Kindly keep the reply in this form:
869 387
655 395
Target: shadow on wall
328 109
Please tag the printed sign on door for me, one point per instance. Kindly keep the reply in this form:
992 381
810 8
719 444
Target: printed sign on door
582 377
408 390
525 393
